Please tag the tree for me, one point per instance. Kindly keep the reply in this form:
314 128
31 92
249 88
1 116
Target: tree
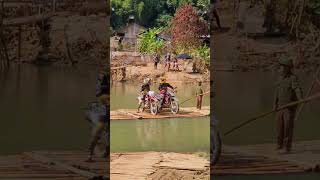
164 20
148 43
149 13
187 28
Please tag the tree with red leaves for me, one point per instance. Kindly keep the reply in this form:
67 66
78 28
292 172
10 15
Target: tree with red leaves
187 27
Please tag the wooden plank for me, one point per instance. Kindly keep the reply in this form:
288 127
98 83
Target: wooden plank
130 114
188 112
52 162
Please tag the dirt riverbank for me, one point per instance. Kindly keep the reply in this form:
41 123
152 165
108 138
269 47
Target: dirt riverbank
159 165
248 49
77 34
139 72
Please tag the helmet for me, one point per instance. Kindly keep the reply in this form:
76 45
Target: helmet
163 80
146 80
285 61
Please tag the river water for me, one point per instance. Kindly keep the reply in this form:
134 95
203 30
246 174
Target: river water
41 108
172 135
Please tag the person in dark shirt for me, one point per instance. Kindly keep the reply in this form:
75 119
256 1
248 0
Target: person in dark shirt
287 90
156 60
163 86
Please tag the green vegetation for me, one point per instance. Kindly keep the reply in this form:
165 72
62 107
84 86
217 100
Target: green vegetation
149 13
148 42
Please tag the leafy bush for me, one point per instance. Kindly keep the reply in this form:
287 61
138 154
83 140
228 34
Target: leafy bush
148 42
201 56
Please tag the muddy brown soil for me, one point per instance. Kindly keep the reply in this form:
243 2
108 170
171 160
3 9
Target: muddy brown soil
136 73
246 50
158 165
79 26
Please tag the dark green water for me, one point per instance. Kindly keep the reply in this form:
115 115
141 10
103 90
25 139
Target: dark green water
170 135
40 108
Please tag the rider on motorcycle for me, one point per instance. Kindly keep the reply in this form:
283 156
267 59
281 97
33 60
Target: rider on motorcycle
163 87
145 88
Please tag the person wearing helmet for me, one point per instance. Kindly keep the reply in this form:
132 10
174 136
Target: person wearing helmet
287 90
145 88
163 88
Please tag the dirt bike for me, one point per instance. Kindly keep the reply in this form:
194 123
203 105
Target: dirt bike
215 150
170 101
150 101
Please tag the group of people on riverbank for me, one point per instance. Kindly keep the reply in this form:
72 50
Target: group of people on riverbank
167 62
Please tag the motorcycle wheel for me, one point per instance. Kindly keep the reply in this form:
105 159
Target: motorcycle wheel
154 108
174 107
216 149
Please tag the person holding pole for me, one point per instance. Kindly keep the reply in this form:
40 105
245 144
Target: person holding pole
287 90
199 94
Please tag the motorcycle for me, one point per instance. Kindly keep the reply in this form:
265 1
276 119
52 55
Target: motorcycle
170 101
215 150
149 102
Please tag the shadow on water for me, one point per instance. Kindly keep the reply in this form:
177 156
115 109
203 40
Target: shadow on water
40 107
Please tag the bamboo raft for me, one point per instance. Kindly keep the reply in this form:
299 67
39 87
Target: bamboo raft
131 114
264 159
59 165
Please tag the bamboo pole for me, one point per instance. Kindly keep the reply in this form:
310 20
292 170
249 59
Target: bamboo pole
305 100
309 92
195 97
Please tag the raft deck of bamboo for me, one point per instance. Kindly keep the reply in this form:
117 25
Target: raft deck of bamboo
58 165
188 112
264 159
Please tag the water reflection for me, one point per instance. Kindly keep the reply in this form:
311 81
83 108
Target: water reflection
40 107
178 135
